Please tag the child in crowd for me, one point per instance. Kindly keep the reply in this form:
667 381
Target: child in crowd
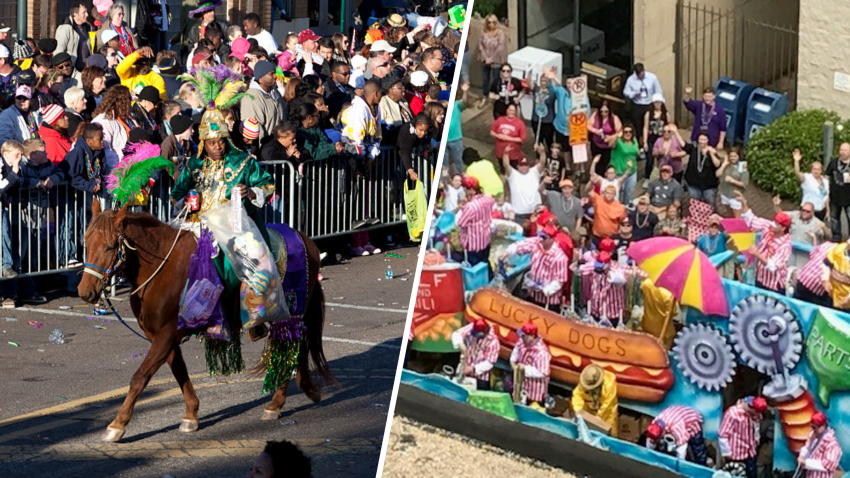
715 241
433 95
454 193
503 209
287 60
233 32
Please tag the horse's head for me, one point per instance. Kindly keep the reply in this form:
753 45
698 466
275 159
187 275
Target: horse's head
104 245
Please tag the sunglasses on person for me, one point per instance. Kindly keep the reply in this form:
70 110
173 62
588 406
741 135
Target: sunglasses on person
628 131
506 70
382 65
64 66
21 98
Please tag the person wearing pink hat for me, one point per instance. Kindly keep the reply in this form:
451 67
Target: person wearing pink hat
54 132
16 122
479 351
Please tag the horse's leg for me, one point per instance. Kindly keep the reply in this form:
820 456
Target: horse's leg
190 421
161 348
272 411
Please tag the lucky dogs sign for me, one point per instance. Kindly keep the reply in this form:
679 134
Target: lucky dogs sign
638 360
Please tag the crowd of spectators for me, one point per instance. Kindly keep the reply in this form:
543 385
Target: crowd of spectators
75 103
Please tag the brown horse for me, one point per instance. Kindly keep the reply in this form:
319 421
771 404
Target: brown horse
143 242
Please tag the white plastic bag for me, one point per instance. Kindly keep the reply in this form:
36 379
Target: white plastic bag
261 293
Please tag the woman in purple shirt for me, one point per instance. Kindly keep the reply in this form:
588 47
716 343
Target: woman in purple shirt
708 116
604 127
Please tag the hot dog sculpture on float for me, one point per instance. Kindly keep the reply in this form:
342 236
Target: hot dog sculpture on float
638 360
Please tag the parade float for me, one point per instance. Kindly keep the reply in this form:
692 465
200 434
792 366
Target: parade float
734 340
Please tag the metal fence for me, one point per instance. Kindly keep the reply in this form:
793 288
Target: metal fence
754 42
42 230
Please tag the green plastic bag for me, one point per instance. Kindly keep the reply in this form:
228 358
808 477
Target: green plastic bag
416 209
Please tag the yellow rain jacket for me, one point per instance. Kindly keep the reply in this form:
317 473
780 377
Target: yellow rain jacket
659 306
607 408
840 265
130 77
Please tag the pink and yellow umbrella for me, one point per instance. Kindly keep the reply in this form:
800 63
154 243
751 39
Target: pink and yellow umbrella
678 266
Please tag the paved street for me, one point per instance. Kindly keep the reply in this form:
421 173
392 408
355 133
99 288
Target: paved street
55 400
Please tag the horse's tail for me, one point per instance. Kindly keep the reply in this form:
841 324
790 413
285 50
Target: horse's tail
312 346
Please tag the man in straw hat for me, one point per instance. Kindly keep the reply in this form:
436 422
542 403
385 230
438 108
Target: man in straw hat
532 355
738 436
479 349
596 394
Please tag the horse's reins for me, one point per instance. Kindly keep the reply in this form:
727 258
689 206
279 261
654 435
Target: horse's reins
118 260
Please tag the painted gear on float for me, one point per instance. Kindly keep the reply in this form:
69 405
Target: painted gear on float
704 356
759 321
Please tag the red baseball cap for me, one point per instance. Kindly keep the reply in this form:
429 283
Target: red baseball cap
606 245
479 325
782 219
604 257
529 328
654 431
819 419
470 182
199 57
307 35
759 404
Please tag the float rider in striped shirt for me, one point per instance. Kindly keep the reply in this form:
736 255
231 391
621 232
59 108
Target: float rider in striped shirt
479 349
821 454
738 436
682 427
473 219
809 286
550 268
773 249
532 355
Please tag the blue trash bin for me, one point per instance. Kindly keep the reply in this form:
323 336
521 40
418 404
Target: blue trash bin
763 108
733 96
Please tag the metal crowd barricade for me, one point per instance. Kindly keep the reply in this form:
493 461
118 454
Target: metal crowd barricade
41 229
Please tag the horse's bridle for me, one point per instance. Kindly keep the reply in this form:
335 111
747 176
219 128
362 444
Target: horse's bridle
118 260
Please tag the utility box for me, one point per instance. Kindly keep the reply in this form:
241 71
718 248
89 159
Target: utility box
528 64
763 108
733 96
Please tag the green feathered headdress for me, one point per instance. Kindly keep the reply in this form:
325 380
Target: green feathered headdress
126 183
218 87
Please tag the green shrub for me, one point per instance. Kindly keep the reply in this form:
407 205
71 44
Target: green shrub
486 7
769 153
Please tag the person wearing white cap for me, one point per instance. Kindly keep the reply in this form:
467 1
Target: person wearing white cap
641 87
358 69
7 68
110 39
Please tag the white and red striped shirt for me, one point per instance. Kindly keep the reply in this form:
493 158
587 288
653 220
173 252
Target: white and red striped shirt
826 455
536 360
606 298
740 431
546 267
481 354
682 422
811 274
474 219
777 251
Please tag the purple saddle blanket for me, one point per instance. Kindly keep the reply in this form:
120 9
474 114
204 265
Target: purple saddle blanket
294 282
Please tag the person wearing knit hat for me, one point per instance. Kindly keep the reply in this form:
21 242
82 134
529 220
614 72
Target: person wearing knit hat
532 357
54 132
479 350
144 111
177 146
250 133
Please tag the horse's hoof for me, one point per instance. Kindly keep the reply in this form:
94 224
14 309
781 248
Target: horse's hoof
189 426
270 415
112 434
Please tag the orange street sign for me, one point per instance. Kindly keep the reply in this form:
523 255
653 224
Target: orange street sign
578 128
